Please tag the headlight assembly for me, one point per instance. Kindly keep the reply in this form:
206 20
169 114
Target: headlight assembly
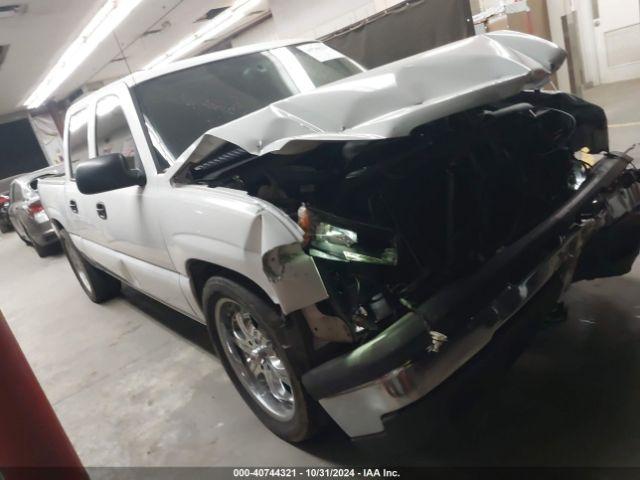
341 244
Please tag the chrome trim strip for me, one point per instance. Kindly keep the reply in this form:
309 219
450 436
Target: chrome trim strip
359 411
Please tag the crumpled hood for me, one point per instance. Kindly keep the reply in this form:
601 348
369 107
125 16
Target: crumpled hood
390 101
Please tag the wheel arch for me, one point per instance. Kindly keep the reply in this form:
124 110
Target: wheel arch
56 224
199 271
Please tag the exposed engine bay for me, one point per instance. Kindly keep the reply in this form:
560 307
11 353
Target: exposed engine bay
390 222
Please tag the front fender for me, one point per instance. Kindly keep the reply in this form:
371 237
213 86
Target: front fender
263 250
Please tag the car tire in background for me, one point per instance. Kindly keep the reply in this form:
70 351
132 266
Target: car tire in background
97 284
264 355
41 250
4 227
46 250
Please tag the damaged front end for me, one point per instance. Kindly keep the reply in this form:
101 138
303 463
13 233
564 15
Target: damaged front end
400 365
391 222
433 226
428 244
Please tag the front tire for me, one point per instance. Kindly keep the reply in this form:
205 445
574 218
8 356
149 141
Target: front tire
263 356
98 285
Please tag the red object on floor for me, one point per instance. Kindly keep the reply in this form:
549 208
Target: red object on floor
33 444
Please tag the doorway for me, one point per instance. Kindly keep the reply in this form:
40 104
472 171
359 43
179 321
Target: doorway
617 34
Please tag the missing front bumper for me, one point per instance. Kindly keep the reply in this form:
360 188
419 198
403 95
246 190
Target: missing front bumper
400 366
359 411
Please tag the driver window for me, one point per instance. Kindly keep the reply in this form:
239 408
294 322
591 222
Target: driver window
113 134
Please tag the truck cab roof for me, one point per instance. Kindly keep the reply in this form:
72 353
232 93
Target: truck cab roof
144 75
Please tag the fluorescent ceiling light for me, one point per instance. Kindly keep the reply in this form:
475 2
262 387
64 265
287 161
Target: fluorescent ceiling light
101 25
227 19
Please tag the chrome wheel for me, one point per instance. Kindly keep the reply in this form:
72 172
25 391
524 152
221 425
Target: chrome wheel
254 359
78 265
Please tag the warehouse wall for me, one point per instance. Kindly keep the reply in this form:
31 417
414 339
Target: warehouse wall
559 8
318 18
265 31
306 19
422 25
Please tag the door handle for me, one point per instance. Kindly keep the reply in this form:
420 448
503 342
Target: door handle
73 206
102 210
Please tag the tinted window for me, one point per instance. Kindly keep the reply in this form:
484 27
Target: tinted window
179 107
78 146
112 132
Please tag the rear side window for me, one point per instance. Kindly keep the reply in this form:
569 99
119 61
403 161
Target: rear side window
113 134
78 146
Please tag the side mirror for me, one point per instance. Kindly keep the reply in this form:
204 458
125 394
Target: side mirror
106 173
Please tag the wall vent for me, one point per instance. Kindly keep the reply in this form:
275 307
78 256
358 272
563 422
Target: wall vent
152 31
8 11
211 14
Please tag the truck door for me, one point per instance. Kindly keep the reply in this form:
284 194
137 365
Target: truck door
129 240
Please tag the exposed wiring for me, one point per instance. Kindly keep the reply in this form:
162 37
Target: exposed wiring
587 166
573 125
631 162
631 148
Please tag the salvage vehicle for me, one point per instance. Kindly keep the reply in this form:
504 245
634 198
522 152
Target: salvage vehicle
5 223
27 214
352 239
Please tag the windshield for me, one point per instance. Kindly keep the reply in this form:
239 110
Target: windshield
179 107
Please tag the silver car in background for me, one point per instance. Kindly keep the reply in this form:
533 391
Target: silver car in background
5 223
27 214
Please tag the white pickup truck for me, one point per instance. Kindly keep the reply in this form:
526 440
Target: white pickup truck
352 239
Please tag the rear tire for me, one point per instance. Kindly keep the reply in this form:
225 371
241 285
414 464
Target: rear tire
98 285
5 228
264 356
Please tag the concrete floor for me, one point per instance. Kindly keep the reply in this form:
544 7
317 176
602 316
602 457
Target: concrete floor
135 384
